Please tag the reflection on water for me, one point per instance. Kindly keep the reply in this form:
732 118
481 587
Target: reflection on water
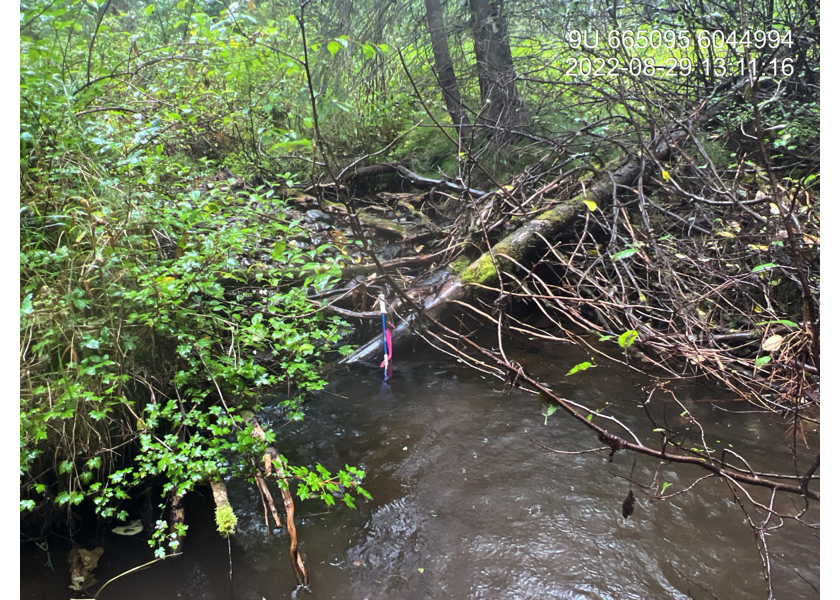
465 506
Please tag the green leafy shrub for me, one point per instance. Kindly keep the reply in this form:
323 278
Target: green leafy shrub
155 309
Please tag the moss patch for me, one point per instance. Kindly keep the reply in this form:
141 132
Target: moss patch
517 244
458 265
481 271
225 520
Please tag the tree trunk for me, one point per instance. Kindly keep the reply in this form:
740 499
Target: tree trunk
444 69
494 61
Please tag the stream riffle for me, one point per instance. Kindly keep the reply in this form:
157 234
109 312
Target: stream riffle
466 505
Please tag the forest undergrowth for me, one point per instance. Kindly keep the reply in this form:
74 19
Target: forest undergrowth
214 197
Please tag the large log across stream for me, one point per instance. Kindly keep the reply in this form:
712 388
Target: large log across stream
516 246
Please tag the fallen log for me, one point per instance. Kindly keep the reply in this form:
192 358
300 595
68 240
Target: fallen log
360 173
483 272
513 249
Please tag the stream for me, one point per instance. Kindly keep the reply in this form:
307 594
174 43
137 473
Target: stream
466 505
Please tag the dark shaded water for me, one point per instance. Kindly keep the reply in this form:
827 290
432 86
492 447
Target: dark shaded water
466 506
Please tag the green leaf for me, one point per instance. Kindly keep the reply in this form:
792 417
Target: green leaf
763 267
627 338
279 249
762 360
547 406
624 254
333 47
580 367
665 486
548 410
26 305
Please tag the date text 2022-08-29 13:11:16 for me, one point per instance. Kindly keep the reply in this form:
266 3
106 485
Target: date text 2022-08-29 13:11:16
677 53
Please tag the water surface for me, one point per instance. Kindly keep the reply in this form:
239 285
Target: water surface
467 506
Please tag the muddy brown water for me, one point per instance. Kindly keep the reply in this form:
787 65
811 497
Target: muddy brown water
466 506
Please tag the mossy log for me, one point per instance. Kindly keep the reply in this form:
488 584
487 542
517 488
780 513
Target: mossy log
516 246
483 272
225 517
